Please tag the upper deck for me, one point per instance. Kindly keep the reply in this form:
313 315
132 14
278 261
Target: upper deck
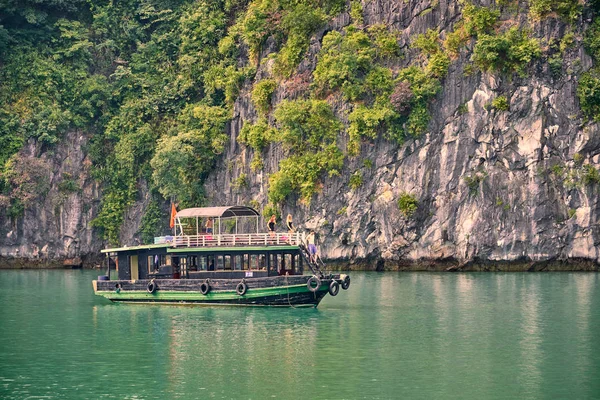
208 241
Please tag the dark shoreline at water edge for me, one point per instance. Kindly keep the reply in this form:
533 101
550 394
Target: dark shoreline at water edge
452 265
447 265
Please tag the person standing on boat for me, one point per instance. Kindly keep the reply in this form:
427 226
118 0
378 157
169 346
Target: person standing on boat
209 225
312 249
290 224
271 225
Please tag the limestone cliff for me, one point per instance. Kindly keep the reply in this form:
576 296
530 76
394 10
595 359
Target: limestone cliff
482 176
493 186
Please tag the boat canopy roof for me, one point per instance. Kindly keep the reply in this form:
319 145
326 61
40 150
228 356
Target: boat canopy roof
218 212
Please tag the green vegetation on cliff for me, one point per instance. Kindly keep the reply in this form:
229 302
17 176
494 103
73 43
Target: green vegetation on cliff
153 83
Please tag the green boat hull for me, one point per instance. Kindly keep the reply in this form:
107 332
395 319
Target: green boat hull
259 292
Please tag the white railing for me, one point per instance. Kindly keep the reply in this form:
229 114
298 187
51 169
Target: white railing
239 239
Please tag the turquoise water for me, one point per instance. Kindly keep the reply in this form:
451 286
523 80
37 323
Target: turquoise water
391 336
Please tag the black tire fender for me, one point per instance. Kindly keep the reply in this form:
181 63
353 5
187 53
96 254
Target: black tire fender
151 288
334 288
241 288
205 287
314 283
346 282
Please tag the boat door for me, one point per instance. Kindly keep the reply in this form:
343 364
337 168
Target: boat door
133 262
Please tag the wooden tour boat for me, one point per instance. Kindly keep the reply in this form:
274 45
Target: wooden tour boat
236 265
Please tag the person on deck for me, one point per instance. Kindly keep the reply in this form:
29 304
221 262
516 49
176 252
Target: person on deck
290 224
209 225
271 225
312 249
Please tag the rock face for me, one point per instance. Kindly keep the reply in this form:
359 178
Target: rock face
483 177
57 231
491 185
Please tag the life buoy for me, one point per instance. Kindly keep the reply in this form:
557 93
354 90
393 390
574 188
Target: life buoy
346 282
241 288
151 287
205 287
334 288
314 283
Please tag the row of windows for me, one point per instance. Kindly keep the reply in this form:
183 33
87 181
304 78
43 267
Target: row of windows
280 262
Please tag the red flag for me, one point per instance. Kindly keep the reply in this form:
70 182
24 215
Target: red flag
173 213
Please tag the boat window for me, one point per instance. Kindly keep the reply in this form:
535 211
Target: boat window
167 260
262 262
297 265
238 262
193 263
227 262
219 263
150 264
183 266
280 264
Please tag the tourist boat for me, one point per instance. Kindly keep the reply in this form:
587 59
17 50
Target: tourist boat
234 265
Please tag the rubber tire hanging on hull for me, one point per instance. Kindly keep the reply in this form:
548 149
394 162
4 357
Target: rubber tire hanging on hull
346 282
313 280
151 288
334 288
205 287
241 288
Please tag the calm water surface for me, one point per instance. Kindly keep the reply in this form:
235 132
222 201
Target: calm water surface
392 335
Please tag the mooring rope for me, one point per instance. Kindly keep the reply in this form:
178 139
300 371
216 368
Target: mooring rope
287 287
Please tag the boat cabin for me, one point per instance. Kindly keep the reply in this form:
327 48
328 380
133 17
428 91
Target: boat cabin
215 243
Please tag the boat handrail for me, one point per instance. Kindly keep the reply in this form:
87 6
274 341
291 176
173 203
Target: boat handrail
239 239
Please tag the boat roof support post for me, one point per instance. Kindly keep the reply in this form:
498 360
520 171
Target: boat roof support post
257 224
219 225
196 226
236 222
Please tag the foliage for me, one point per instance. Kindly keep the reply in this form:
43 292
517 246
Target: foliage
68 184
256 135
241 182
184 158
431 47
261 95
424 87
343 61
151 221
271 209
408 204
474 181
299 22
590 175
356 180
476 21
568 10
588 92
306 125
500 103
591 39
24 179
309 130
365 121
384 41
511 51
